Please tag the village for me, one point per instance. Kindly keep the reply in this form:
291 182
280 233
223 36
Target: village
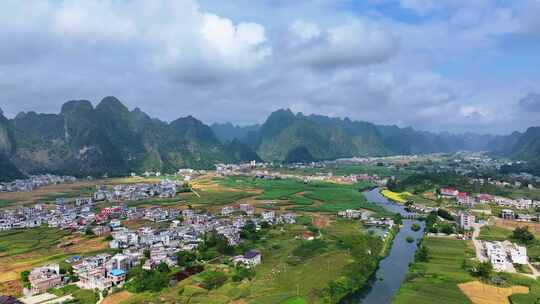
165 233
35 181
184 230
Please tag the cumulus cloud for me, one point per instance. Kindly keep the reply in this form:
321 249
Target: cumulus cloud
236 61
356 42
175 36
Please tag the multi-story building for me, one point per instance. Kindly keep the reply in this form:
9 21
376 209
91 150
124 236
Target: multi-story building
45 277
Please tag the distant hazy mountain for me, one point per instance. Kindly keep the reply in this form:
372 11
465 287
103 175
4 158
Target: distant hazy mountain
83 140
285 136
320 137
109 139
527 146
226 132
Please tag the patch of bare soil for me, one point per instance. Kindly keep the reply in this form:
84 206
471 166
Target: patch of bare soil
480 293
509 224
117 297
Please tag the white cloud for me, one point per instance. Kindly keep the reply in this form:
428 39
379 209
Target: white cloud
355 42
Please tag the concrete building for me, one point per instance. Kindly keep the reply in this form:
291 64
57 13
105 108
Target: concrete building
45 277
465 220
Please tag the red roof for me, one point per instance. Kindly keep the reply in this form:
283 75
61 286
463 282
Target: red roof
448 191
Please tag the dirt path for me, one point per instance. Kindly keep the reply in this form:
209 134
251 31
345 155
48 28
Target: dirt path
478 244
480 293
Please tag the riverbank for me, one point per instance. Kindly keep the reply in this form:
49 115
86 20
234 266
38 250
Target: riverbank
393 265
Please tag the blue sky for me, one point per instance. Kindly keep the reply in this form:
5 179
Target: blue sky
442 65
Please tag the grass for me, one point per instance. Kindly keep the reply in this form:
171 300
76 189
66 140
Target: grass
6 203
494 233
82 296
437 279
29 240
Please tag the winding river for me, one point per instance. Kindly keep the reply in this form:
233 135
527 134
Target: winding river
393 268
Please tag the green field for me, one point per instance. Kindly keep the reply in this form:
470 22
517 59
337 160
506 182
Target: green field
282 277
494 233
29 240
311 197
6 203
436 281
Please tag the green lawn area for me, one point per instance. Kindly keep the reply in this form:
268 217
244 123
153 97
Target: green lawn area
29 240
436 281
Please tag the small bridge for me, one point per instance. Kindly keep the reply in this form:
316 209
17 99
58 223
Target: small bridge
412 216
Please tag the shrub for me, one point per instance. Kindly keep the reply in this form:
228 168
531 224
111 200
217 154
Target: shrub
213 279
523 235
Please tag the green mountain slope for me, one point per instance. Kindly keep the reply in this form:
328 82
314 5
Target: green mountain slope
320 137
527 147
109 138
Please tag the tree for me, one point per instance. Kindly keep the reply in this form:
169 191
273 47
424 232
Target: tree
447 229
213 279
163 267
397 219
523 235
483 270
185 258
24 278
146 253
88 231
242 272
422 254
445 214
415 227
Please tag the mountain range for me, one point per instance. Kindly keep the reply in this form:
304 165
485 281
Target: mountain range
109 138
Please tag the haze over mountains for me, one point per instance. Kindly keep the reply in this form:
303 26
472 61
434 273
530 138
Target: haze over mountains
109 138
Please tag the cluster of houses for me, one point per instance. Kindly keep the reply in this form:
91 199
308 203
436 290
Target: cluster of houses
34 182
503 255
136 192
185 174
366 219
506 184
104 271
80 216
464 199
257 170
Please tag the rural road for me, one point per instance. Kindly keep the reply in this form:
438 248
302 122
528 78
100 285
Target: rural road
478 244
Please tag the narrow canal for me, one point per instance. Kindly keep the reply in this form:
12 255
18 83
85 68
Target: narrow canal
393 268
